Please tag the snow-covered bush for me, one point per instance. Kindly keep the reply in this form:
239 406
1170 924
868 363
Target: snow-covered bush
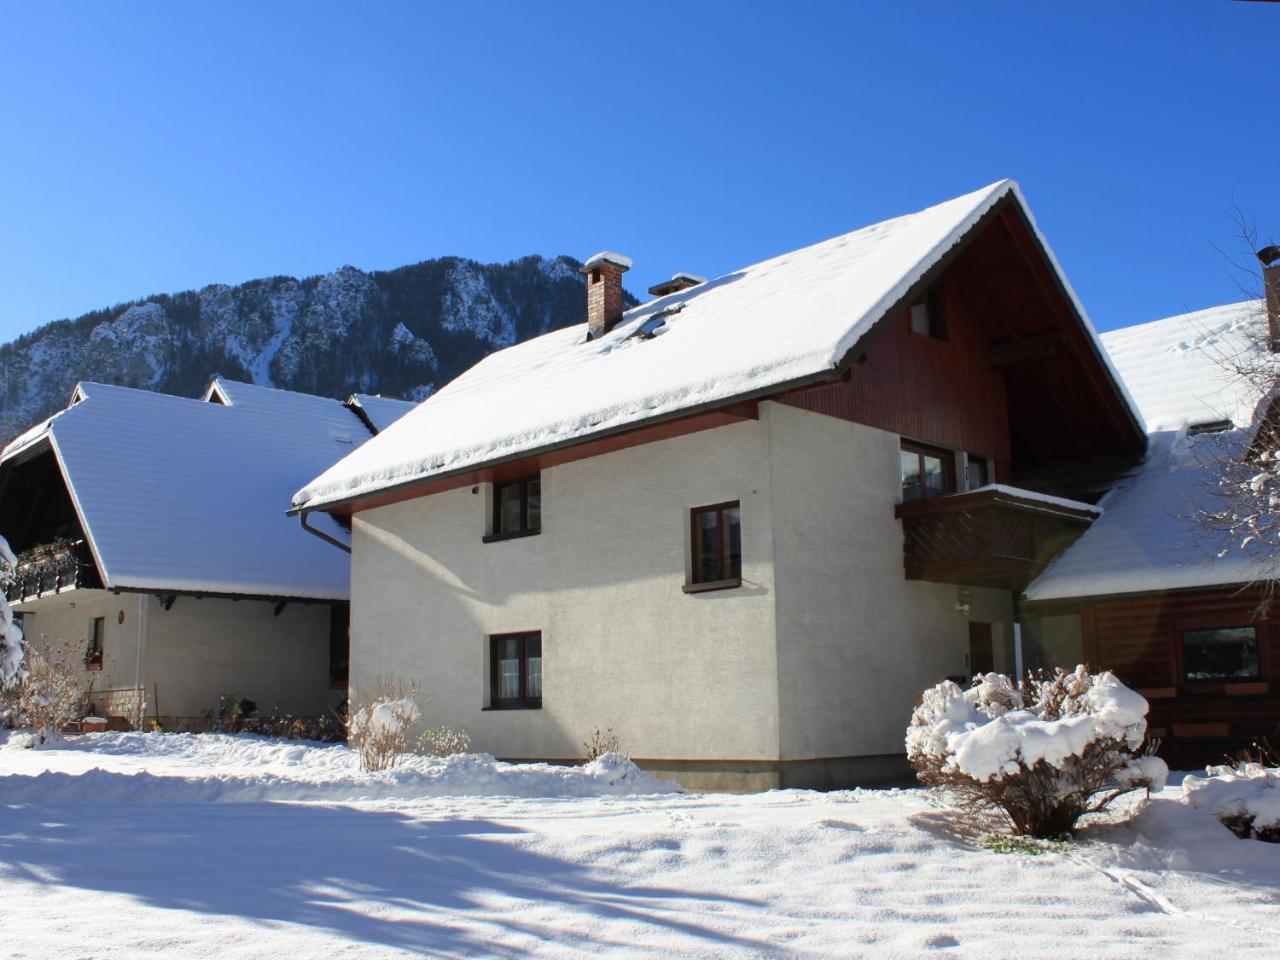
1046 751
443 741
11 648
603 742
1246 798
51 694
379 729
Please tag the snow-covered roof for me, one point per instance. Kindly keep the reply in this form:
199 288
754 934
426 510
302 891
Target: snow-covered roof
185 495
779 323
1179 369
380 411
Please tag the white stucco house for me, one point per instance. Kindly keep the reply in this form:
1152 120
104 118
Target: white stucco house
746 522
154 553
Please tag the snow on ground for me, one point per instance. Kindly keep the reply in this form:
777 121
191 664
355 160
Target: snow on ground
593 866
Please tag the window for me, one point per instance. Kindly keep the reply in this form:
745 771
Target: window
93 652
515 674
717 547
926 472
1220 653
517 509
979 473
1209 426
928 319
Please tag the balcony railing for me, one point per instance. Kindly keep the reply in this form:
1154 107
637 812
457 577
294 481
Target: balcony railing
994 536
56 568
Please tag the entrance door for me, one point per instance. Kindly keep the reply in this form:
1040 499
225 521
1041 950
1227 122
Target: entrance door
981 651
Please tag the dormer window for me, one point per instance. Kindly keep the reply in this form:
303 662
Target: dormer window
1209 426
928 319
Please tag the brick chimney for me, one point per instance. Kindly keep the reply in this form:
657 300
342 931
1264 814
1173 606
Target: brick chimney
604 291
1269 257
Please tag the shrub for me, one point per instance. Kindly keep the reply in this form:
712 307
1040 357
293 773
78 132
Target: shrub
1044 752
379 729
11 647
1245 798
603 741
443 741
51 695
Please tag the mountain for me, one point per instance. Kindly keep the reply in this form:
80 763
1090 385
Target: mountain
400 332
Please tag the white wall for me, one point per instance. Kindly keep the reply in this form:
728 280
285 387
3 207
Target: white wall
857 641
196 651
839 639
58 626
678 675
199 650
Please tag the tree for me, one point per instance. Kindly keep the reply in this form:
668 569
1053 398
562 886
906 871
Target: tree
11 648
1239 511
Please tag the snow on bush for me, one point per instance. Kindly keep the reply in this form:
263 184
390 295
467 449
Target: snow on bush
50 694
1246 798
1045 751
603 743
443 741
379 729
11 651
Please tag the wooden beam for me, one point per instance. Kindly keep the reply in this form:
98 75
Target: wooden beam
1010 352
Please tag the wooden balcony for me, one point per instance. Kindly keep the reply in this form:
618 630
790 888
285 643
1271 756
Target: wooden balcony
991 537
52 570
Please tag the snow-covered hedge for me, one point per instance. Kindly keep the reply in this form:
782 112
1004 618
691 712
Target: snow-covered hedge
1246 798
1045 751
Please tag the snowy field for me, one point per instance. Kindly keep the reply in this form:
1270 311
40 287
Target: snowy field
121 845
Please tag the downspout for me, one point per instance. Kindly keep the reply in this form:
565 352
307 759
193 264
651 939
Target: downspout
139 686
1017 638
302 517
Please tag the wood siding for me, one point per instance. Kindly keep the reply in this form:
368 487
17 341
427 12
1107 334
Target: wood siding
1018 380
1140 639
941 392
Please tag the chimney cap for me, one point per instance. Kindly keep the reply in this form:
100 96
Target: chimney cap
606 256
1269 255
678 282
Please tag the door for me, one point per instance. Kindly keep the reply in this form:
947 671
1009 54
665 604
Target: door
981 650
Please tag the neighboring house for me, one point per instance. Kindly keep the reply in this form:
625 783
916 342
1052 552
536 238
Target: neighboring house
154 550
686 521
1144 592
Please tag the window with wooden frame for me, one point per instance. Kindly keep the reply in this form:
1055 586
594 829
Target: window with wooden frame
515 671
716 547
1220 654
927 317
93 650
517 509
926 471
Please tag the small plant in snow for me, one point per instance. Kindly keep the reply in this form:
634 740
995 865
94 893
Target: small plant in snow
1045 752
1028 846
51 694
603 741
443 741
379 729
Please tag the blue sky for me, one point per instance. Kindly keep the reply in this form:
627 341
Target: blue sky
158 147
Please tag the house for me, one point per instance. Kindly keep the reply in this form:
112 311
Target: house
1148 591
744 523
153 548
